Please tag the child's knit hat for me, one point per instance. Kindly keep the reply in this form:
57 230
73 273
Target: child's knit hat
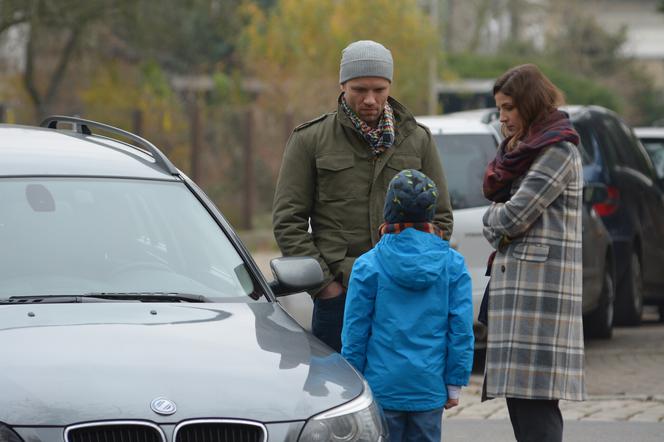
411 198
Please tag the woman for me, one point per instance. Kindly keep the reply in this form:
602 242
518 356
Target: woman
535 340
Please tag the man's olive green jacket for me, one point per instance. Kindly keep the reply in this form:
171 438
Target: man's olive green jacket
330 178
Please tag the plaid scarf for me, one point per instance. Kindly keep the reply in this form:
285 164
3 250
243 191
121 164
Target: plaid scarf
400 227
379 139
510 165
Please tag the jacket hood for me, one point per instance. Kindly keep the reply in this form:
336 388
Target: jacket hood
412 258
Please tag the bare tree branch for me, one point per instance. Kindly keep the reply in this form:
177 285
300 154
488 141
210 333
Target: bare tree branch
45 24
6 24
480 22
63 62
29 74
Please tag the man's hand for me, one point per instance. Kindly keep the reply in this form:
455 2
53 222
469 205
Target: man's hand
451 403
332 290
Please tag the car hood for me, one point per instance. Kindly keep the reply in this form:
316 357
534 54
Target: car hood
67 363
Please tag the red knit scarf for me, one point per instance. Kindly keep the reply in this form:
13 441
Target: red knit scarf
510 165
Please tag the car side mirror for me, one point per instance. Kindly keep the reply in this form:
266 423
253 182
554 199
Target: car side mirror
594 193
295 274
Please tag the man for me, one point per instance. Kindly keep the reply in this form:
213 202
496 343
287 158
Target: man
335 173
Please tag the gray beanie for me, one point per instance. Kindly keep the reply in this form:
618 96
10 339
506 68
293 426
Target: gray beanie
365 58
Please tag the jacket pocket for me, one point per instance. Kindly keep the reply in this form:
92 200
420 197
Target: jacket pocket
398 163
531 252
336 175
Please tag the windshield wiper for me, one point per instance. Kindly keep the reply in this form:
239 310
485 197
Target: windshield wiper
148 296
50 299
106 297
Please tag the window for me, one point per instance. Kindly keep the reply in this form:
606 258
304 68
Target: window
465 157
611 143
588 142
655 149
71 236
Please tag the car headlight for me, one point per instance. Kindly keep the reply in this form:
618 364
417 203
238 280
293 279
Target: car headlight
360 420
8 435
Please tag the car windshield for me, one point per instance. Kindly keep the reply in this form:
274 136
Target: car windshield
71 236
465 156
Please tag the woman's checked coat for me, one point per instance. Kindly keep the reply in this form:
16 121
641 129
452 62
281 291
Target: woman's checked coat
535 340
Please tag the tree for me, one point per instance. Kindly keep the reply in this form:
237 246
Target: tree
12 12
295 47
53 33
183 36
583 47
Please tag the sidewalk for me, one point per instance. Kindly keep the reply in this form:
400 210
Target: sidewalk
634 408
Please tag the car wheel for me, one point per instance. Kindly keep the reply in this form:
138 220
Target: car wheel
629 306
661 313
599 323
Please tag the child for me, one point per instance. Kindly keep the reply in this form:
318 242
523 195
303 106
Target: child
408 322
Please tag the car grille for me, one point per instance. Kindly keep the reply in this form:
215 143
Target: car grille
116 432
222 431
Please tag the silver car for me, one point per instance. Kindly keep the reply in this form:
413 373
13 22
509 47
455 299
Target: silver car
652 139
465 147
130 311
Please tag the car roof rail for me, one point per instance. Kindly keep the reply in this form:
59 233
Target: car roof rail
83 126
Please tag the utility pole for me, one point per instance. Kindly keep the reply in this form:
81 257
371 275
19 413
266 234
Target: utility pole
193 89
248 166
433 62
195 134
449 26
137 122
515 9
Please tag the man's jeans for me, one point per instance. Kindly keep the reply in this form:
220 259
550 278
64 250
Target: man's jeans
328 319
412 426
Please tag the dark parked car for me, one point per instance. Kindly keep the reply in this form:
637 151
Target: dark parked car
130 311
633 210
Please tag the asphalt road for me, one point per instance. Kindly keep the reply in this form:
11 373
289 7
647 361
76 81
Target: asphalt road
631 364
575 431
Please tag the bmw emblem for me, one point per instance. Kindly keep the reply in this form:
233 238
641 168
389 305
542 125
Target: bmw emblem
163 406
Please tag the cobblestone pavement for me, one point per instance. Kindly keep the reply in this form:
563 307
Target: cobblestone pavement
624 378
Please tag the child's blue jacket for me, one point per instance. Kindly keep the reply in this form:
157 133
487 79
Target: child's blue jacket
408 321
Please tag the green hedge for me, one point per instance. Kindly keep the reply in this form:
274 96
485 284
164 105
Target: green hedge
578 90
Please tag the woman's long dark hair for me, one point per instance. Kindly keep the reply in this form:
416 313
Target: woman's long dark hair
534 95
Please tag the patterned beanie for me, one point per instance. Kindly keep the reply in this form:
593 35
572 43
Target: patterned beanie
365 58
411 198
